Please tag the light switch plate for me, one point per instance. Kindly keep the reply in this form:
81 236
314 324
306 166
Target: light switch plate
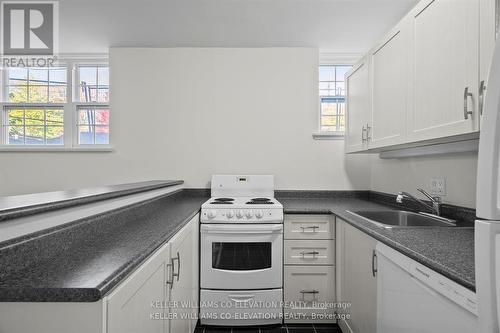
438 186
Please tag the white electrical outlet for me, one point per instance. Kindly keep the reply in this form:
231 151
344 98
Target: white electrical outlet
438 186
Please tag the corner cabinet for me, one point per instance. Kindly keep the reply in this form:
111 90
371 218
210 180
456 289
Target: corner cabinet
427 78
160 296
358 107
444 58
356 279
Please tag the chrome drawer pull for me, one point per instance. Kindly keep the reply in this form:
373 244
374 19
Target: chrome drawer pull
313 227
309 292
312 253
178 274
482 88
467 94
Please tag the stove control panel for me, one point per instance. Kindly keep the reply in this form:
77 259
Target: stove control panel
241 215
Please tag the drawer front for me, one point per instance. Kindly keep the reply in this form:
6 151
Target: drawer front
298 226
307 252
309 294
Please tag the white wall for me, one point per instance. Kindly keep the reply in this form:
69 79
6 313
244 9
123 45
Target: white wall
186 113
459 170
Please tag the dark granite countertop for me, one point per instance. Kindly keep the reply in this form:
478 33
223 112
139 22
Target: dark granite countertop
449 251
82 261
28 204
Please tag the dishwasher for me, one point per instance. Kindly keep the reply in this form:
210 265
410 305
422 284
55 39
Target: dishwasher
414 298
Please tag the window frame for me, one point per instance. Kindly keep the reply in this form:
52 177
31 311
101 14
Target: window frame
331 59
70 108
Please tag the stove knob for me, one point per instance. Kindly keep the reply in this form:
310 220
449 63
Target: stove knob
259 214
249 214
239 214
230 214
212 214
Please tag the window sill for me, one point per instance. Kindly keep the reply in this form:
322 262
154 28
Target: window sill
328 136
103 149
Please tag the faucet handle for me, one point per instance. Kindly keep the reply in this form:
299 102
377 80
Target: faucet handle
400 197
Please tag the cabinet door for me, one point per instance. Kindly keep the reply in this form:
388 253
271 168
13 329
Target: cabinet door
357 107
358 285
130 306
444 57
389 65
184 291
488 19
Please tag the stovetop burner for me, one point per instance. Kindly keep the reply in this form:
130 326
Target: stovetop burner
260 201
224 199
221 203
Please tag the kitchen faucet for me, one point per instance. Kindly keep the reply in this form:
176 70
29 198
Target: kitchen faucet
436 201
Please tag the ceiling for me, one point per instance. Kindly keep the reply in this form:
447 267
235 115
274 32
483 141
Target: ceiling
344 26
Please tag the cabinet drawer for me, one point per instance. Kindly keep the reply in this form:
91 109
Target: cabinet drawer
309 293
310 252
298 226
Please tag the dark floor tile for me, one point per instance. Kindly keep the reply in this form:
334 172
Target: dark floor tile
301 330
292 325
324 328
246 329
217 329
198 329
276 329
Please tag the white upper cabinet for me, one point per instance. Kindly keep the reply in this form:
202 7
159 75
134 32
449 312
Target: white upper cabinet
389 65
444 58
488 28
358 107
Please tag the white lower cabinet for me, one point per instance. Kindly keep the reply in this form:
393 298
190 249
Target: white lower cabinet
356 278
130 306
147 301
309 270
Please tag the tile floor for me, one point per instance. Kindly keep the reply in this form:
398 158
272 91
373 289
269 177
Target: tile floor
286 328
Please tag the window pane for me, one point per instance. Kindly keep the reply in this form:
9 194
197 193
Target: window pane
102 117
54 117
88 75
15 135
18 76
18 94
86 135
55 135
38 76
103 76
38 94
15 117
103 95
328 109
327 73
57 94
102 135
35 135
329 120
86 116
57 76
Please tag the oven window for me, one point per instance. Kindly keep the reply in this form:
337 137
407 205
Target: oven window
241 256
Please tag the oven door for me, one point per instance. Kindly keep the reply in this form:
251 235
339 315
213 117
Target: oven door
241 256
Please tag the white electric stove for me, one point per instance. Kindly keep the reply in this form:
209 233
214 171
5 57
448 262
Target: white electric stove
241 273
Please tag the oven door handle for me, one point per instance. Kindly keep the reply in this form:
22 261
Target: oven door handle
236 229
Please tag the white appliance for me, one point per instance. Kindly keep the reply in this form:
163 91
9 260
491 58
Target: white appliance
241 265
487 231
414 298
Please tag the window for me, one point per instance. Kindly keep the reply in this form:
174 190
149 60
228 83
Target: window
332 99
65 106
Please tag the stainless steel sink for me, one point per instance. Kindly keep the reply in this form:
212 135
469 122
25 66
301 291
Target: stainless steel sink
403 219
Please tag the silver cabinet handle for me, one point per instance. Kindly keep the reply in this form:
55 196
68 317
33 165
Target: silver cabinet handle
312 253
178 274
313 227
467 94
170 281
368 132
482 88
363 132
309 292
374 263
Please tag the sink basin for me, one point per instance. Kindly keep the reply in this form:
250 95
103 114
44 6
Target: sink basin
403 219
